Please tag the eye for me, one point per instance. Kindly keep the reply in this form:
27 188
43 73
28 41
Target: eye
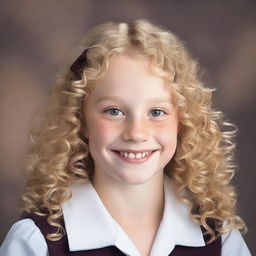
157 112
113 111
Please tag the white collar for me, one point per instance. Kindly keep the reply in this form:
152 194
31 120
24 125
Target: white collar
89 225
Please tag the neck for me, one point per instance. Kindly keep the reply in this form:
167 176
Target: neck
132 206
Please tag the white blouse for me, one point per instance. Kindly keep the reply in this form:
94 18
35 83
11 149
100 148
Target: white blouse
89 226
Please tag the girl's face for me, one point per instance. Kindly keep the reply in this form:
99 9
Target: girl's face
130 122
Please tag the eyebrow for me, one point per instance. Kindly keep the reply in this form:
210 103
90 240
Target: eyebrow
152 100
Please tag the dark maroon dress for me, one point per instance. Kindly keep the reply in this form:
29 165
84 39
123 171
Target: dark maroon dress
61 247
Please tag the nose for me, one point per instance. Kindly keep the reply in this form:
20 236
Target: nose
136 130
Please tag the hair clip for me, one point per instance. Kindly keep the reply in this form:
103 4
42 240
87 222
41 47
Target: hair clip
79 65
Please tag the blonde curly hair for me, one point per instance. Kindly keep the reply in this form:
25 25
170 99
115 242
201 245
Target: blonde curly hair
202 166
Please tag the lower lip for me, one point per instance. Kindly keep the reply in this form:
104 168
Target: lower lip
134 160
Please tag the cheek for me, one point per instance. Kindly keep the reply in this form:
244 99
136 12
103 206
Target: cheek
101 130
167 135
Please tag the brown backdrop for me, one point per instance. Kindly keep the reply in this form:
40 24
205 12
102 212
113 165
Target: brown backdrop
37 36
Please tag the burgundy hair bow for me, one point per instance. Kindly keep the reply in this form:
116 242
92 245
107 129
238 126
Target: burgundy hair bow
79 65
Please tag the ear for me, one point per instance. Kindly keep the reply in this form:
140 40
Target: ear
179 128
84 128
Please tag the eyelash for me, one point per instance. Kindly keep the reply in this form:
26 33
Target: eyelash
158 109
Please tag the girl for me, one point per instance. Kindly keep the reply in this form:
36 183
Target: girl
130 159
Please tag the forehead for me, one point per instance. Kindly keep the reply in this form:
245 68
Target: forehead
130 77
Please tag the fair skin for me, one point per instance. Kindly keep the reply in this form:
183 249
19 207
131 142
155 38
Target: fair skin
131 109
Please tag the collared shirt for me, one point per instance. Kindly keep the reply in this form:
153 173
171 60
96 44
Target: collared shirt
89 225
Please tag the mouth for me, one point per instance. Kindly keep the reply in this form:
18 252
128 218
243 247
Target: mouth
133 157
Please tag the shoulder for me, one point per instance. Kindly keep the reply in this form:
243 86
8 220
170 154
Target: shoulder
234 244
25 237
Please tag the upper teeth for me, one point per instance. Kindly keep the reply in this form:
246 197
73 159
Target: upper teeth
131 155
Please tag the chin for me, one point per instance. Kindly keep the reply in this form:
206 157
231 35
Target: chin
136 178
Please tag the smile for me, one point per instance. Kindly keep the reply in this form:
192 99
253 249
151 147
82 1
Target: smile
134 157
137 156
